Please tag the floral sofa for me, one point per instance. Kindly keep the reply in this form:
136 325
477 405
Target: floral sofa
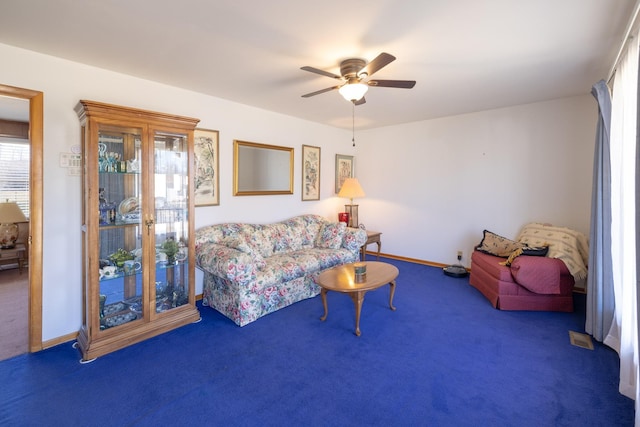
251 270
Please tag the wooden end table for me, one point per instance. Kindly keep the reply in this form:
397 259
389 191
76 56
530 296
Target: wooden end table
14 255
342 279
372 237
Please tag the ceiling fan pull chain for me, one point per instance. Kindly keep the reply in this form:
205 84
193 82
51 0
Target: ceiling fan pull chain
353 123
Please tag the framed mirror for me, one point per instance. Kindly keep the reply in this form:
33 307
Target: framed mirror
261 169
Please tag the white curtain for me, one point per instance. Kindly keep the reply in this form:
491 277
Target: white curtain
623 335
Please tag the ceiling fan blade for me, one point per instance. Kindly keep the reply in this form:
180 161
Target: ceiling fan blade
360 101
321 72
402 84
378 62
318 92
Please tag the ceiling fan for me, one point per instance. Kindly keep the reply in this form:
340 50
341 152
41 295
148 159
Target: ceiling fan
353 74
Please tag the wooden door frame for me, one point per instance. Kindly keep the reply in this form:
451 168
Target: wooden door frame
36 138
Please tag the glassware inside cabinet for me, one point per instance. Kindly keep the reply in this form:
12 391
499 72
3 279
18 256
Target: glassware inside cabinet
171 187
119 182
120 276
119 244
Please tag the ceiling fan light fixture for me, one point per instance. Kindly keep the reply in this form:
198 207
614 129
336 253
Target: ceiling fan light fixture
353 91
353 72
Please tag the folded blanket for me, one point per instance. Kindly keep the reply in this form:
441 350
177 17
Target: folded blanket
570 246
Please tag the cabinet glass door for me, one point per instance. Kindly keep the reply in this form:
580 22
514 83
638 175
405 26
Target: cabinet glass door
171 190
120 227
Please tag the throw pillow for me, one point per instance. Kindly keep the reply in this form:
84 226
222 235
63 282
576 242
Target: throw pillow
535 250
330 235
243 246
497 245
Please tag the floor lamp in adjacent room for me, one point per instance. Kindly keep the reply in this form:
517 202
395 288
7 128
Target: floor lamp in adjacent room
351 189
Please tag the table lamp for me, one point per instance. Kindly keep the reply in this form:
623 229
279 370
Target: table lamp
10 213
351 189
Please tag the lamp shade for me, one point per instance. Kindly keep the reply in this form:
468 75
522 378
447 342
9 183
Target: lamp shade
351 189
353 91
10 212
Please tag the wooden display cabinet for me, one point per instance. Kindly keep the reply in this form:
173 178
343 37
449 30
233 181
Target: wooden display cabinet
138 227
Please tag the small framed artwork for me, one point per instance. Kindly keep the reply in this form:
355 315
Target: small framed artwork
344 169
310 173
207 176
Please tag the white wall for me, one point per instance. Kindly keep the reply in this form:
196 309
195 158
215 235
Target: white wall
431 186
64 83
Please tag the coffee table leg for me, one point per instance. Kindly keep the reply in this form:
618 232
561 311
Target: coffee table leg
358 298
392 291
323 294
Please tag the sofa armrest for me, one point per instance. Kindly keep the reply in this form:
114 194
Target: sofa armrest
226 262
541 275
354 238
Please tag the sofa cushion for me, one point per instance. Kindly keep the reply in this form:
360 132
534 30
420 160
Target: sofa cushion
310 230
330 235
241 244
491 264
237 243
497 245
539 275
261 237
229 263
299 233
281 268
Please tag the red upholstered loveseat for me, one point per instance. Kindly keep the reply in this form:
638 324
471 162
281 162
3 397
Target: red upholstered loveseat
512 278
530 283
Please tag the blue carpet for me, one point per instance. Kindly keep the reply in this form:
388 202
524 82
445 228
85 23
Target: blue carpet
445 357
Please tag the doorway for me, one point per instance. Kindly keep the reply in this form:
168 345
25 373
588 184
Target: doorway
34 239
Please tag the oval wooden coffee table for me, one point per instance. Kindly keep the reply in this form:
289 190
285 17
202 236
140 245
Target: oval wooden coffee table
342 279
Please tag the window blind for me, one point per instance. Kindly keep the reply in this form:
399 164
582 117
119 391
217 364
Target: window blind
14 174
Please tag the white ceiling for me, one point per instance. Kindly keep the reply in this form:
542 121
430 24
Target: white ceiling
466 55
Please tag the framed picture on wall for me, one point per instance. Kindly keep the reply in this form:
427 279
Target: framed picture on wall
344 169
207 176
310 173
